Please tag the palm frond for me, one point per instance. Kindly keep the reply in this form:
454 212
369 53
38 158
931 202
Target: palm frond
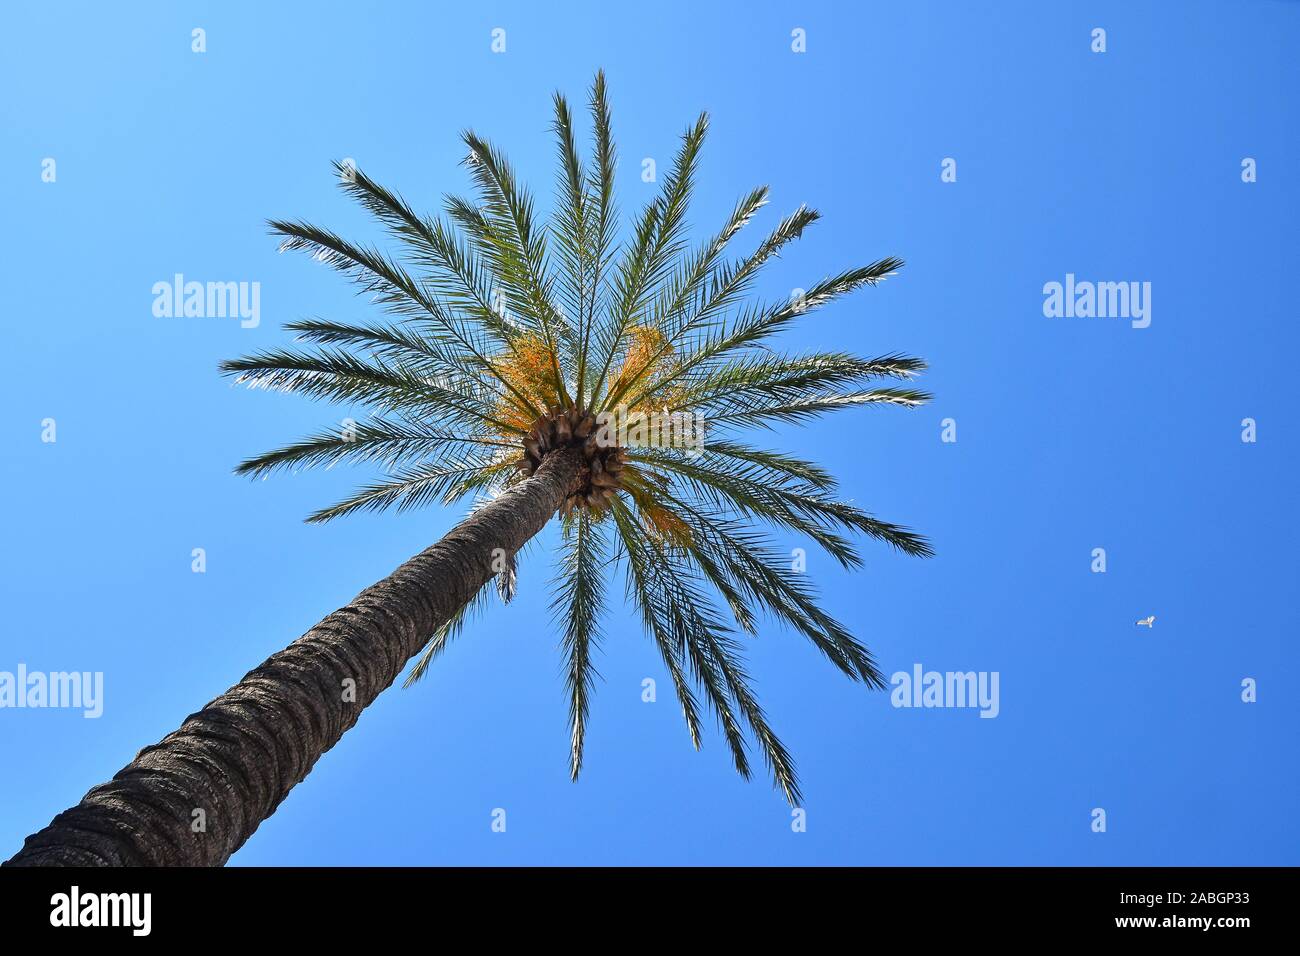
687 284
758 323
579 601
757 570
695 314
745 408
602 216
659 239
407 488
453 271
677 622
772 466
504 225
768 379
678 607
334 374
570 223
394 288
381 441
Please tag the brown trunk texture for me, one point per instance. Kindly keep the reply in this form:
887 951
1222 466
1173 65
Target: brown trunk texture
239 756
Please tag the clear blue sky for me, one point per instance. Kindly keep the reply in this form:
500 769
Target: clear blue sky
1072 434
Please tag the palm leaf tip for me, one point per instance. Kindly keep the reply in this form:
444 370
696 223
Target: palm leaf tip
507 332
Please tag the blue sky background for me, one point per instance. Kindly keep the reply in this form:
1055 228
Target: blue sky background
1072 433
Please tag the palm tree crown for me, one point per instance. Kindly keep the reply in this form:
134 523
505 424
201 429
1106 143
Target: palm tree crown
509 341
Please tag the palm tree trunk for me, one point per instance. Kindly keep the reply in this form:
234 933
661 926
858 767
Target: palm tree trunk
195 797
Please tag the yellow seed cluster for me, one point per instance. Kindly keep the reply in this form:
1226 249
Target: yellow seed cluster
528 369
664 525
645 343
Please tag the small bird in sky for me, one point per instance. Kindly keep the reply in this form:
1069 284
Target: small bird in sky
1147 621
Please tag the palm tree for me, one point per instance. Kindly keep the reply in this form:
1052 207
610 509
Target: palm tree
543 371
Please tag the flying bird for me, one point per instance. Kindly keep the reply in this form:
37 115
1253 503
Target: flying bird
1147 621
